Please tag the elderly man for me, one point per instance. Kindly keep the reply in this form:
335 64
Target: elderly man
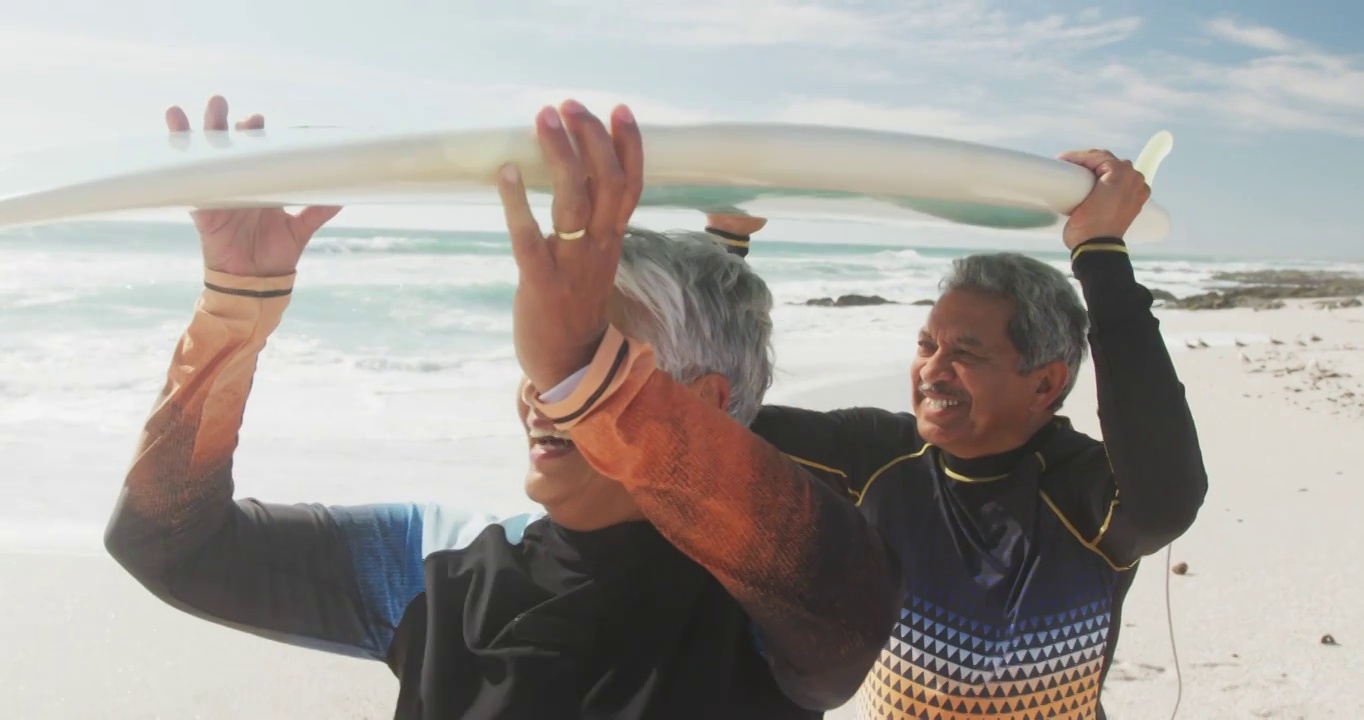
1018 536
660 582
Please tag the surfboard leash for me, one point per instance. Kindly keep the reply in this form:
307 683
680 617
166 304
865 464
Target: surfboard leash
1170 623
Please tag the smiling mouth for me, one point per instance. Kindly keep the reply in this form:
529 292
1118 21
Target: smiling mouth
551 439
941 403
939 400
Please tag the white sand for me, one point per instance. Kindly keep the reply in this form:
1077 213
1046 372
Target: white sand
1274 564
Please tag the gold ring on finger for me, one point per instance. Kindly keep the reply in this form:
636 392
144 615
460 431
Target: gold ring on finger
578 235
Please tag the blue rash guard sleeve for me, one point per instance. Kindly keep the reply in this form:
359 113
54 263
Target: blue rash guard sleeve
329 578
332 578
335 579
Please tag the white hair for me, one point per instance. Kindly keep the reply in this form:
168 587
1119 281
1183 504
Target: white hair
706 312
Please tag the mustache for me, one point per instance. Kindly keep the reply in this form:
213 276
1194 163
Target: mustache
939 389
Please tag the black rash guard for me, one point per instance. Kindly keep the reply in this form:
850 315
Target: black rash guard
1016 565
614 624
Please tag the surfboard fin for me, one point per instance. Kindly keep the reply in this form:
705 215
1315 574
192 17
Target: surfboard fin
1148 162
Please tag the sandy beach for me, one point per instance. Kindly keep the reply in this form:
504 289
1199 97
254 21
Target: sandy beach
1273 562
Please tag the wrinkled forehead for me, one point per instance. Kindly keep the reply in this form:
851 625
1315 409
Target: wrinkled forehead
953 336
969 320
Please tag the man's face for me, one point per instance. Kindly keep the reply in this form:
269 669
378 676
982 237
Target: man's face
557 471
560 478
969 397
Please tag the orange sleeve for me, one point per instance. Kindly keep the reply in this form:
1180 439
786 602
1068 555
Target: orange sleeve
328 578
178 490
818 581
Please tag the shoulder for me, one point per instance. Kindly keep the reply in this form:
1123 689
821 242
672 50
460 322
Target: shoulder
858 428
843 417
1077 485
845 446
452 527
1074 455
415 530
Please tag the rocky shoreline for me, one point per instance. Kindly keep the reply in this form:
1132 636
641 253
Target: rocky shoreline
1257 289
1267 290
855 300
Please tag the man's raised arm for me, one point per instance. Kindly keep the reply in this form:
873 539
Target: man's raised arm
1151 441
817 579
283 571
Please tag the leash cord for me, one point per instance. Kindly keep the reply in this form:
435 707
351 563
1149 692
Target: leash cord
1170 623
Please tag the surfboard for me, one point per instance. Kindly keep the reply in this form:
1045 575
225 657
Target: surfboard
706 167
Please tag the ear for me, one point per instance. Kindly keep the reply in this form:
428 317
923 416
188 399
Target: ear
712 388
1048 382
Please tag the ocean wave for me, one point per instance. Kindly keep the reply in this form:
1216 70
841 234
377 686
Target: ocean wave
374 244
405 270
471 364
407 365
20 300
905 288
347 243
902 254
387 320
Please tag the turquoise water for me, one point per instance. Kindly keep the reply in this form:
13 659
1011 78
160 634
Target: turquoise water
436 297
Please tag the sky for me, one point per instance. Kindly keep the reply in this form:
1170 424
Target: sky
1265 98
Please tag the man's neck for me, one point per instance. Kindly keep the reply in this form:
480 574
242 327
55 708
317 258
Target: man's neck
987 465
580 516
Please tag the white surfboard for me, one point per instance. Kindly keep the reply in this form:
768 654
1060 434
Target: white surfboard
706 167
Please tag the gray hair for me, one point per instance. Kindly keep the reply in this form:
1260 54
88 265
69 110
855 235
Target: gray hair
1049 321
707 312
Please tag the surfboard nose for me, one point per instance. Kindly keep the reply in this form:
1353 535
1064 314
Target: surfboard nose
1148 162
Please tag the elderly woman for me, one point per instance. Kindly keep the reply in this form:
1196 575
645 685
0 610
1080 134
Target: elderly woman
676 571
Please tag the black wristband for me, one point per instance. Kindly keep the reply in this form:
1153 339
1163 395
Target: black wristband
1110 244
734 242
727 234
248 293
616 364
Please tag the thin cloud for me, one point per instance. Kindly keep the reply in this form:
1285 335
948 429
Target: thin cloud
46 73
925 120
732 23
1328 81
975 70
1045 92
908 27
1291 86
1257 37
30 52
1016 128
